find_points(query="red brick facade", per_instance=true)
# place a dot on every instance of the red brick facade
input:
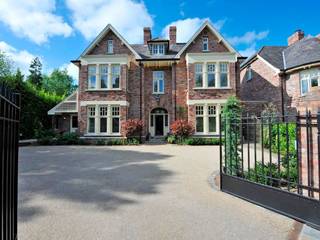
(136, 82)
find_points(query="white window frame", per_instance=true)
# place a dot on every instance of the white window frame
(103, 113)
(307, 76)
(157, 49)
(90, 74)
(110, 115)
(110, 46)
(206, 114)
(199, 114)
(211, 72)
(225, 72)
(205, 44)
(98, 75)
(217, 75)
(156, 80)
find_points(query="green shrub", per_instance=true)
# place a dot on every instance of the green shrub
(100, 142)
(68, 139)
(199, 141)
(171, 139)
(133, 141)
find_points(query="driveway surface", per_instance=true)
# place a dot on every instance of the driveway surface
(134, 192)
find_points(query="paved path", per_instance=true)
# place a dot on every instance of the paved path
(133, 192)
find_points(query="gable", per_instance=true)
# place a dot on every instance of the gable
(217, 44)
(100, 47)
(97, 44)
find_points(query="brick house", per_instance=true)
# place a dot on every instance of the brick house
(287, 76)
(158, 81)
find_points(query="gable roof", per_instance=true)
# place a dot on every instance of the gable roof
(208, 24)
(68, 105)
(305, 51)
(108, 28)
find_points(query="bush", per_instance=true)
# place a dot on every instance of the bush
(133, 141)
(100, 142)
(68, 139)
(181, 129)
(171, 139)
(132, 128)
(201, 141)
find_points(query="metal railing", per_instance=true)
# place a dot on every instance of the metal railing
(278, 155)
(9, 140)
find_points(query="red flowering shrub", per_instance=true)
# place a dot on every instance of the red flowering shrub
(132, 127)
(181, 129)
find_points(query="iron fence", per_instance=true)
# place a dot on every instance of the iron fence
(9, 140)
(274, 161)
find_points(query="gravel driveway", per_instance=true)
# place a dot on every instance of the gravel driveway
(133, 192)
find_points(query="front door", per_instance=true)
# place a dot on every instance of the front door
(159, 125)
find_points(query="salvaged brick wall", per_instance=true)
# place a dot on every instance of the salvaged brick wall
(309, 171)
(263, 88)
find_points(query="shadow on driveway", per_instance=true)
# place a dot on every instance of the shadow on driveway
(102, 176)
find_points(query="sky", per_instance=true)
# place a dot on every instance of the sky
(57, 31)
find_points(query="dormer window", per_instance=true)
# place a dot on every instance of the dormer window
(157, 49)
(110, 46)
(205, 44)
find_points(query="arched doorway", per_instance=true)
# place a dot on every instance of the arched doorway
(159, 122)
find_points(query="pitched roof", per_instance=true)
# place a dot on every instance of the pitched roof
(108, 28)
(303, 52)
(145, 54)
(68, 105)
(208, 24)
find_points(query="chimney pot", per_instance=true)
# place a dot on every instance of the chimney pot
(146, 35)
(295, 37)
(173, 35)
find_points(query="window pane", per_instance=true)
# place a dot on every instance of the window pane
(155, 86)
(104, 81)
(92, 70)
(115, 111)
(314, 82)
(115, 82)
(304, 86)
(212, 124)
(115, 125)
(199, 81)
(92, 81)
(91, 111)
(211, 80)
(224, 67)
(110, 46)
(212, 110)
(91, 125)
(199, 124)
(198, 68)
(161, 87)
(103, 125)
(199, 110)
(224, 79)
(103, 111)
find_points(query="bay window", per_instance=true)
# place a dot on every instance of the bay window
(103, 119)
(158, 82)
(104, 76)
(211, 75)
(207, 120)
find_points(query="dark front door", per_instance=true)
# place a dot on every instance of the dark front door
(159, 125)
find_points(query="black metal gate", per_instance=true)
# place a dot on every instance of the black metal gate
(273, 161)
(9, 140)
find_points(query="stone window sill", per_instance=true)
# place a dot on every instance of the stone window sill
(103, 90)
(212, 88)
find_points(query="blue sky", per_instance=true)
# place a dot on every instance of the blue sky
(59, 30)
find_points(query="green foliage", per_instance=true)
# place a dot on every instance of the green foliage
(261, 173)
(201, 141)
(100, 142)
(59, 83)
(230, 125)
(35, 77)
(68, 139)
(5, 66)
(171, 139)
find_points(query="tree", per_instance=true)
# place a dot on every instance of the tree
(58, 82)
(35, 70)
(6, 66)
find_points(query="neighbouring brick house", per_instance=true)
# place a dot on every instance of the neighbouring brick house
(287, 76)
(158, 82)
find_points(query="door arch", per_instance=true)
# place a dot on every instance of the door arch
(159, 122)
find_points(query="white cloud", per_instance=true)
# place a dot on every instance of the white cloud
(72, 70)
(187, 27)
(249, 51)
(248, 38)
(21, 58)
(127, 16)
(33, 19)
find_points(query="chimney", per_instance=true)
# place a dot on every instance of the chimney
(146, 35)
(295, 37)
(173, 35)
